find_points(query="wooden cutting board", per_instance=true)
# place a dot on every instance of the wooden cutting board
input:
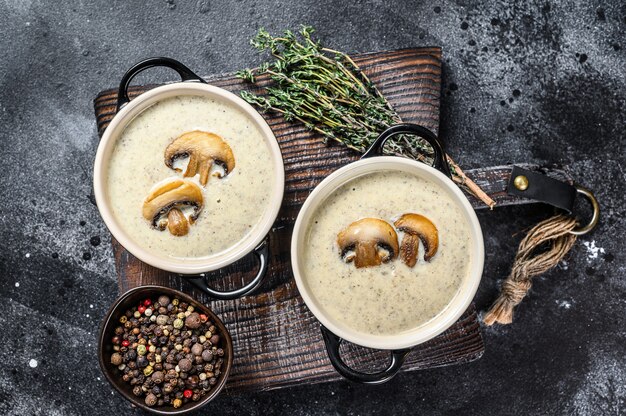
(277, 341)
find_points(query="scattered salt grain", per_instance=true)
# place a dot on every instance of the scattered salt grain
(32, 363)
(17, 284)
(592, 250)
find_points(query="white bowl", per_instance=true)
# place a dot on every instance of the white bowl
(107, 144)
(459, 303)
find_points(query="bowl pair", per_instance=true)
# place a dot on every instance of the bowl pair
(373, 161)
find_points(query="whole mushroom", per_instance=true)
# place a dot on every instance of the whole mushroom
(163, 206)
(368, 242)
(203, 149)
(417, 227)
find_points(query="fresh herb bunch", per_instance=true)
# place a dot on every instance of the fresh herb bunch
(326, 91)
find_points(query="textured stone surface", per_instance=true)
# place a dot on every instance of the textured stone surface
(523, 81)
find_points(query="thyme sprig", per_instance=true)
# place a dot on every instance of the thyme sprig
(326, 91)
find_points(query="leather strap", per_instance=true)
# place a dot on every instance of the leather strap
(542, 188)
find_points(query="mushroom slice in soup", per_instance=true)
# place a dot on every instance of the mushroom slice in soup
(203, 149)
(417, 227)
(368, 242)
(165, 204)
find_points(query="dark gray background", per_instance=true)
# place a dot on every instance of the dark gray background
(524, 81)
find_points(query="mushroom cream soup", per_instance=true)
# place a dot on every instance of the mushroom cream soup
(214, 210)
(389, 298)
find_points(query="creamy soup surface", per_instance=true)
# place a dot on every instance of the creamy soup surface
(233, 205)
(391, 298)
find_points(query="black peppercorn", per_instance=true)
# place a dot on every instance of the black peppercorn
(197, 349)
(142, 361)
(157, 377)
(168, 388)
(207, 355)
(137, 391)
(192, 382)
(130, 355)
(184, 365)
(193, 321)
(151, 400)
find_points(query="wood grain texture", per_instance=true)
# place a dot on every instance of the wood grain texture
(276, 339)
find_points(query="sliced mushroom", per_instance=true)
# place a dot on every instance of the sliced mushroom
(203, 149)
(177, 223)
(373, 241)
(163, 207)
(417, 227)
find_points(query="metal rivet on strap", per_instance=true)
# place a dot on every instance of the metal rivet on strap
(521, 182)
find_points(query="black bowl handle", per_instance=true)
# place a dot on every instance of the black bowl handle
(261, 252)
(185, 73)
(439, 158)
(333, 342)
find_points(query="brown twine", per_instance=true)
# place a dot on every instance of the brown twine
(556, 232)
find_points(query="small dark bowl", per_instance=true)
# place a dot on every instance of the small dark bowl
(105, 348)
